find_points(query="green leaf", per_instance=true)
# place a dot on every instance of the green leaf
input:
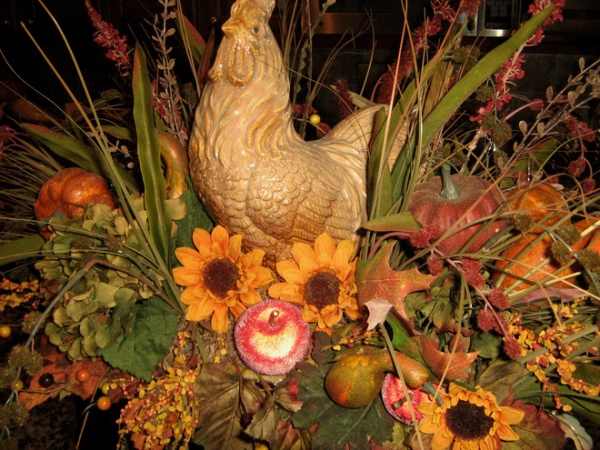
(121, 318)
(194, 40)
(378, 173)
(19, 249)
(500, 376)
(149, 156)
(196, 217)
(77, 152)
(400, 222)
(338, 427)
(487, 344)
(148, 342)
(67, 147)
(464, 87)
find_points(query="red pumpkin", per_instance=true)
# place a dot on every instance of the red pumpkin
(70, 191)
(452, 201)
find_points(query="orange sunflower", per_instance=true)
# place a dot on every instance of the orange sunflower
(469, 420)
(320, 281)
(219, 277)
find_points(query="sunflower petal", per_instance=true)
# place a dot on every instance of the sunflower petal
(235, 247)
(187, 256)
(201, 238)
(186, 276)
(510, 416)
(220, 238)
(220, 319)
(325, 245)
(302, 250)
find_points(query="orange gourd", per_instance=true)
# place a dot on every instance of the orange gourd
(541, 202)
(520, 260)
(590, 240)
(70, 191)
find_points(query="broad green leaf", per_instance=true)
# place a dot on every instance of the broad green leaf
(149, 156)
(148, 342)
(121, 319)
(196, 217)
(22, 248)
(478, 74)
(338, 427)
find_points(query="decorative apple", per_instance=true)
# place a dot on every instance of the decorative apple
(396, 402)
(271, 337)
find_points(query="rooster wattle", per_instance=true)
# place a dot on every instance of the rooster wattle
(253, 172)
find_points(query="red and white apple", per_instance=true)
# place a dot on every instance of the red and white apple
(271, 337)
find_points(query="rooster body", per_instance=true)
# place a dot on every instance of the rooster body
(252, 170)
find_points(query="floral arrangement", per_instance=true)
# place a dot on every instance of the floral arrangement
(467, 318)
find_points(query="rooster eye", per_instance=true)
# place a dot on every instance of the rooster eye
(255, 30)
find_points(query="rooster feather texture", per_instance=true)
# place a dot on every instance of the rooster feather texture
(253, 172)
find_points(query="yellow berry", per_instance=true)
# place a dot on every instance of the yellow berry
(16, 385)
(315, 119)
(5, 331)
(105, 388)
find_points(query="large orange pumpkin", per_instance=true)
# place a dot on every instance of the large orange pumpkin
(520, 260)
(70, 191)
(541, 201)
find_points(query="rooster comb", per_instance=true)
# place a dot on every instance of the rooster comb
(264, 6)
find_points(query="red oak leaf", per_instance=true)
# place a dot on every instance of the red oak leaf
(376, 279)
(451, 366)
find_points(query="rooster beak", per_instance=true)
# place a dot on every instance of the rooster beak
(229, 27)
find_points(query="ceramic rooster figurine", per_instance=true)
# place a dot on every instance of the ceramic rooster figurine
(253, 172)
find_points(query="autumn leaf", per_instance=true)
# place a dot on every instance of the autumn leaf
(450, 365)
(537, 430)
(376, 279)
(64, 373)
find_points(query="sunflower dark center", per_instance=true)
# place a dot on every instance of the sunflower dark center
(322, 289)
(221, 276)
(468, 421)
